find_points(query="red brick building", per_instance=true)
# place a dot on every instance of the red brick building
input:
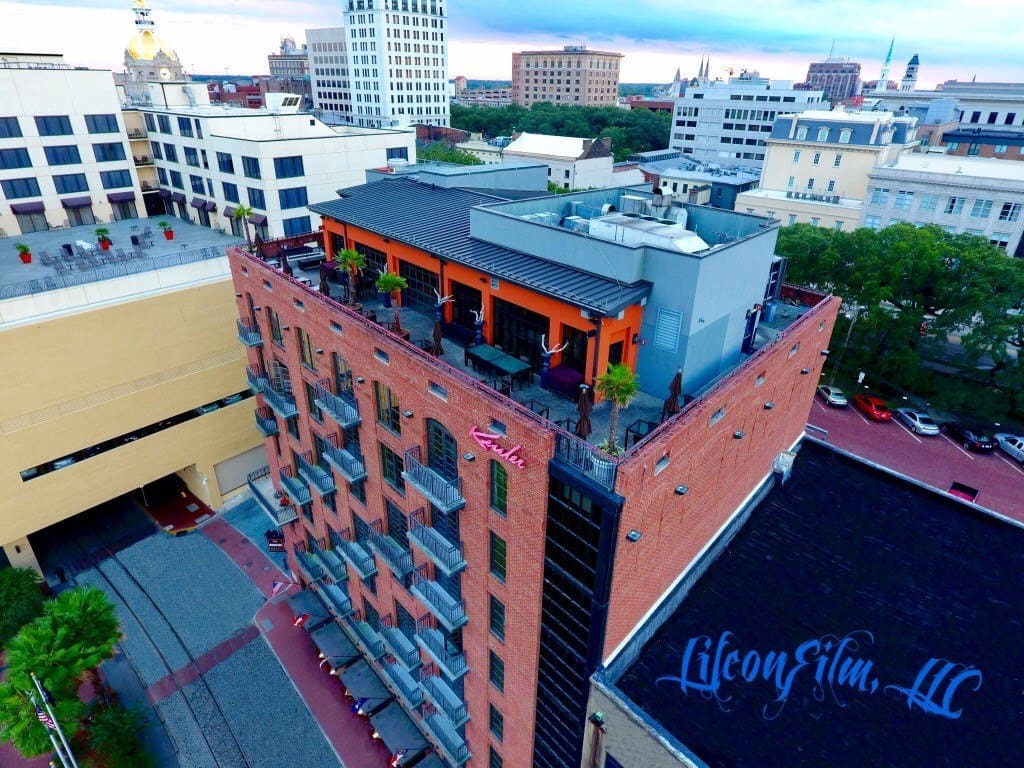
(479, 553)
(985, 142)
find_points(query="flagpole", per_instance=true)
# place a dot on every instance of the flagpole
(49, 711)
(53, 739)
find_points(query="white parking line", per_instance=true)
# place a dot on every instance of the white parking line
(862, 416)
(1012, 464)
(818, 403)
(965, 453)
(905, 429)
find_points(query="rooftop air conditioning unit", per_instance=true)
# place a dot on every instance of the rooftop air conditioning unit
(789, 193)
(835, 198)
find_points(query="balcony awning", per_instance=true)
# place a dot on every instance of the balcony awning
(333, 643)
(178, 197)
(76, 202)
(198, 203)
(398, 731)
(362, 682)
(307, 601)
(165, 194)
(432, 761)
(229, 211)
(210, 206)
(259, 219)
(120, 197)
(36, 207)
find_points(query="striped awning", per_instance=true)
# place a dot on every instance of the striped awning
(76, 202)
(120, 197)
(34, 207)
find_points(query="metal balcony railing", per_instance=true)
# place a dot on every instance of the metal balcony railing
(443, 493)
(404, 651)
(402, 682)
(367, 639)
(295, 488)
(249, 333)
(337, 601)
(332, 563)
(450, 661)
(345, 462)
(283, 402)
(257, 378)
(453, 746)
(399, 560)
(341, 407)
(315, 475)
(263, 492)
(266, 422)
(356, 556)
(308, 564)
(440, 551)
(445, 700)
(451, 613)
(585, 458)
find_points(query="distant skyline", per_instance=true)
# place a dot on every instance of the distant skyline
(777, 37)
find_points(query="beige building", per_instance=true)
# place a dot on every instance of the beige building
(817, 165)
(573, 76)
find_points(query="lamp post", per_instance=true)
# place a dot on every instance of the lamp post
(851, 315)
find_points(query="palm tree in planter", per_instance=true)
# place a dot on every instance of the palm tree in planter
(243, 213)
(24, 252)
(103, 236)
(352, 261)
(168, 229)
(391, 286)
(621, 386)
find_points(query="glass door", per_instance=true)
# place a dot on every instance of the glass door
(442, 451)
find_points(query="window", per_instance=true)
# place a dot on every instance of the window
(185, 126)
(72, 182)
(496, 722)
(392, 466)
(817, 159)
(230, 192)
(286, 167)
(1010, 212)
(101, 123)
(874, 222)
(1001, 149)
(66, 154)
(982, 209)
(106, 153)
(171, 153)
(115, 179)
(499, 488)
(225, 163)
(498, 556)
(928, 202)
(845, 135)
(496, 671)
(879, 196)
(256, 199)
(791, 182)
(275, 327)
(792, 219)
(161, 175)
(815, 221)
(388, 412)
(1000, 239)
(497, 620)
(955, 205)
(157, 151)
(15, 188)
(494, 760)
(973, 149)
(199, 129)
(297, 226)
(176, 180)
(9, 128)
(294, 197)
(831, 186)
(54, 125)
(810, 183)
(306, 354)
(165, 123)
(801, 133)
(796, 156)
(838, 225)
(397, 153)
(191, 157)
(823, 134)
(953, 146)
(904, 199)
(197, 184)
(14, 158)
(251, 167)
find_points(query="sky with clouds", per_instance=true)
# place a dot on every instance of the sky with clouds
(778, 37)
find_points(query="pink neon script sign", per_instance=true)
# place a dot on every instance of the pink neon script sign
(489, 442)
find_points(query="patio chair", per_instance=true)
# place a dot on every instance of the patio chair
(45, 259)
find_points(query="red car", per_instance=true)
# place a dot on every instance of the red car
(872, 407)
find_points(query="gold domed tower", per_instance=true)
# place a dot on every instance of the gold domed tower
(147, 58)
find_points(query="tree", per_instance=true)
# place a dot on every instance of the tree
(391, 285)
(20, 600)
(114, 738)
(20, 725)
(243, 213)
(621, 386)
(439, 152)
(353, 261)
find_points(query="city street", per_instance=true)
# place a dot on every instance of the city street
(935, 461)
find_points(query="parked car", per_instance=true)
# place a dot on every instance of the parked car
(872, 407)
(833, 396)
(1011, 445)
(969, 438)
(918, 422)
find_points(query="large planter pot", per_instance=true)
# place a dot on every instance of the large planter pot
(169, 234)
(26, 258)
(387, 300)
(105, 245)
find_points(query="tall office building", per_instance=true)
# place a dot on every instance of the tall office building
(574, 76)
(837, 79)
(328, 74)
(290, 61)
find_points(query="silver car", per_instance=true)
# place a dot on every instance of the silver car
(833, 396)
(1011, 445)
(918, 422)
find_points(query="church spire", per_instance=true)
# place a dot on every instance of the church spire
(883, 81)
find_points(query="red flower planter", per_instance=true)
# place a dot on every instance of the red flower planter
(169, 234)
(105, 245)
(26, 258)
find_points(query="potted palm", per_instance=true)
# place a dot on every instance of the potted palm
(390, 285)
(243, 213)
(103, 235)
(352, 261)
(24, 252)
(621, 386)
(168, 229)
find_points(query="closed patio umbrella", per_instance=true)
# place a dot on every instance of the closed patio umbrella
(583, 426)
(675, 388)
(436, 347)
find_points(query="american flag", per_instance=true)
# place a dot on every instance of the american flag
(357, 705)
(45, 719)
(278, 587)
(397, 758)
(301, 619)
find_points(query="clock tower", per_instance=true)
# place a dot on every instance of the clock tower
(147, 58)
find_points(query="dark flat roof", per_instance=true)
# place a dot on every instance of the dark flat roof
(436, 219)
(844, 547)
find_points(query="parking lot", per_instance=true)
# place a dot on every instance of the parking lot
(936, 461)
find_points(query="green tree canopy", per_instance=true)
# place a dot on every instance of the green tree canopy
(439, 152)
(21, 600)
(621, 386)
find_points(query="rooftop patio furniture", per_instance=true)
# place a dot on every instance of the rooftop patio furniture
(565, 380)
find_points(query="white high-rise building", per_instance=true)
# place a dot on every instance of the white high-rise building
(396, 60)
(328, 74)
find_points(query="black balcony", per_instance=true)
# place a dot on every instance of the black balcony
(332, 563)
(402, 683)
(309, 566)
(294, 487)
(445, 700)
(282, 401)
(266, 423)
(357, 556)
(449, 660)
(336, 600)
(367, 639)
(269, 500)
(404, 651)
(317, 477)
(451, 613)
(453, 746)
(249, 333)
(443, 493)
(441, 552)
(257, 378)
(345, 462)
(342, 407)
(399, 560)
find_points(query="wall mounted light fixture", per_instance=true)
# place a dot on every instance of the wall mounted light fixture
(634, 536)
(769, 405)
(360, 380)
(319, 350)
(407, 414)
(739, 434)
(805, 371)
(238, 295)
(824, 353)
(286, 327)
(469, 456)
(682, 490)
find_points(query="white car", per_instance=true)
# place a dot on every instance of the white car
(1011, 445)
(918, 422)
(833, 396)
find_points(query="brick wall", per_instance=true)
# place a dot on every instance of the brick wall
(718, 469)
(469, 404)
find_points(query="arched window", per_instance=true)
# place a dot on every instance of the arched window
(499, 488)
(801, 132)
(823, 134)
(442, 450)
(844, 136)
